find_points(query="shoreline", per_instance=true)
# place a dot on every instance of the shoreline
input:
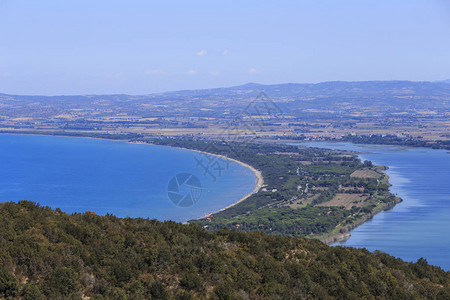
(345, 231)
(258, 185)
(259, 182)
(326, 239)
(258, 176)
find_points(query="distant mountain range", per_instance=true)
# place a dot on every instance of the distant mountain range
(445, 81)
(367, 107)
(350, 98)
(328, 89)
(293, 91)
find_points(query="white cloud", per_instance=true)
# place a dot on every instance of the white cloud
(214, 73)
(225, 52)
(201, 53)
(191, 72)
(155, 72)
(253, 71)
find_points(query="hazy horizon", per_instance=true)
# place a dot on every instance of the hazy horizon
(139, 47)
(228, 86)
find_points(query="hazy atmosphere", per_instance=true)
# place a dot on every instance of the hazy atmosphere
(140, 47)
(224, 149)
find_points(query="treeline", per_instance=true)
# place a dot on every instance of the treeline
(284, 221)
(378, 139)
(47, 254)
(98, 135)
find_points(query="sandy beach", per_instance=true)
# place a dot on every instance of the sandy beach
(259, 183)
(259, 179)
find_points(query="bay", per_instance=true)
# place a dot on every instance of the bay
(116, 177)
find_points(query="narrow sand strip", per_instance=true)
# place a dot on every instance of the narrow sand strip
(258, 185)
(259, 179)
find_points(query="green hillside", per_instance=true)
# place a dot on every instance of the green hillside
(49, 254)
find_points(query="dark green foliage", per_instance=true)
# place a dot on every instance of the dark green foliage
(62, 281)
(8, 283)
(286, 221)
(190, 281)
(42, 256)
(158, 290)
(224, 292)
(394, 140)
(31, 292)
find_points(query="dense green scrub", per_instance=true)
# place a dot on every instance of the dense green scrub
(49, 254)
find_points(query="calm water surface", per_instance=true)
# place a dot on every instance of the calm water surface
(78, 174)
(420, 225)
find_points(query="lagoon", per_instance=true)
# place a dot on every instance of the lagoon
(116, 177)
(420, 225)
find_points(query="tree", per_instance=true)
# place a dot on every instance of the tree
(190, 281)
(62, 281)
(8, 283)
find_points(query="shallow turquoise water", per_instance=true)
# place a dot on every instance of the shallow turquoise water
(420, 225)
(78, 174)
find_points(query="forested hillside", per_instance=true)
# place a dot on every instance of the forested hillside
(49, 254)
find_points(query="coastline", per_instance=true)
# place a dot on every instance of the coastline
(259, 180)
(258, 176)
(259, 183)
(338, 234)
(344, 232)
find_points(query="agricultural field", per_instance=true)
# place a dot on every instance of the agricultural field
(365, 173)
(346, 200)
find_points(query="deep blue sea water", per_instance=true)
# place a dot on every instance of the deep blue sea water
(420, 225)
(79, 174)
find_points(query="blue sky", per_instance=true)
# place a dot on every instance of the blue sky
(140, 47)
